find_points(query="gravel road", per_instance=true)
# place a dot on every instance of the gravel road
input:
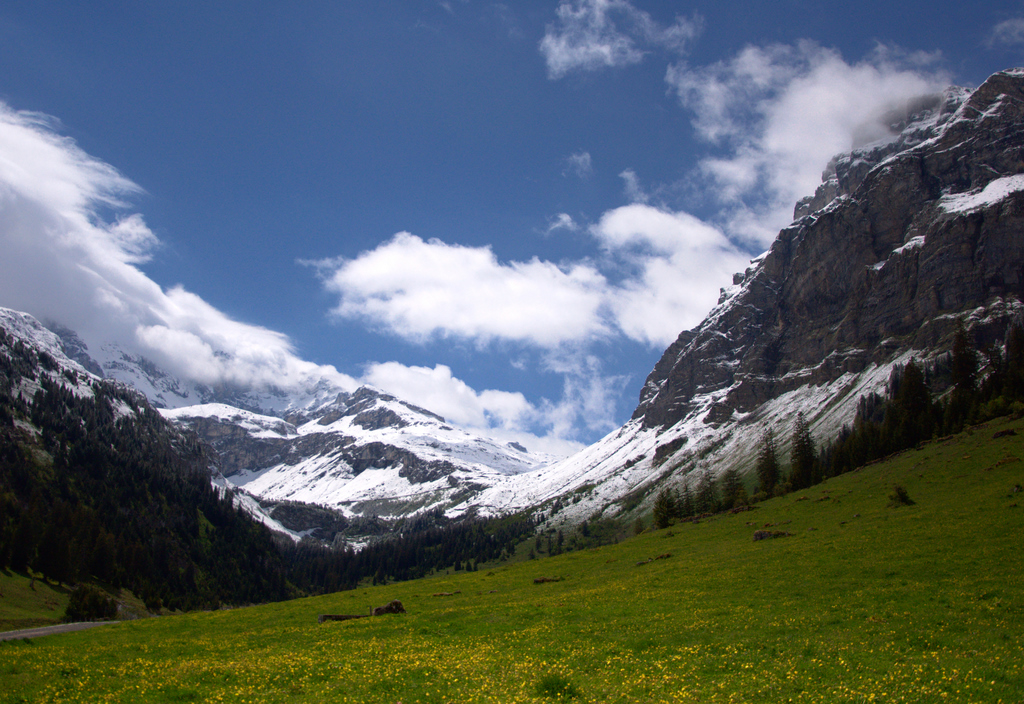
(50, 630)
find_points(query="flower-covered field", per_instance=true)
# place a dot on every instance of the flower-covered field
(862, 602)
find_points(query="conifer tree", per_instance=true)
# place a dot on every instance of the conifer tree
(664, 509)
(964, 366)
(802, 455)
(767, 463)
(964, 361)
(707, 493)
(733, 492)
(686, 507)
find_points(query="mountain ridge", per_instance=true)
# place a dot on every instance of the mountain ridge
(903, 240)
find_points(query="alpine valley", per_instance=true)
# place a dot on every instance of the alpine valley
(905, 240)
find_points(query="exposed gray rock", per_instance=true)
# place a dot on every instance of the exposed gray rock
(875, 265)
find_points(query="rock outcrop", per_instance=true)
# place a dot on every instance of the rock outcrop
(900, 241)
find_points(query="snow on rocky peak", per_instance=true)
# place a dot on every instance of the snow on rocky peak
(365, 454)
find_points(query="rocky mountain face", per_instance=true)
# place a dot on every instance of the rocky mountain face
(903, 239)
(321, 461)
(899, 242)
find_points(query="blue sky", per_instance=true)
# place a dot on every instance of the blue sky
(503, 212)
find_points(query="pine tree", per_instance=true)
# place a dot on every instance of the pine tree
(964, 362)
(767, 463)
(638, 526)
(707, 493)
(686, 507)
(664, 509)
(733, 492)
(1014, 383)
(802, 455)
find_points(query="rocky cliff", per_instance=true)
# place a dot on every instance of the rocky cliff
(901, 239)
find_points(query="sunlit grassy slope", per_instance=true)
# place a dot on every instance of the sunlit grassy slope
(25, 603)
(862, 602)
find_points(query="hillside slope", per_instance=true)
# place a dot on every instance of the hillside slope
(859, 601)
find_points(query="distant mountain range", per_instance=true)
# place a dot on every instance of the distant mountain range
(903, 239)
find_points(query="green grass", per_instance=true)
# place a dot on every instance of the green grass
(25, 603)
(864, 601)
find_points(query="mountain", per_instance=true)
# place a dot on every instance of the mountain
(323, 462)
(96, 485)
(164, 390)
(365, 454)
(903, 239)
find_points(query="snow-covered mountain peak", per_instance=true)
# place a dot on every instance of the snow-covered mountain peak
(29, 330)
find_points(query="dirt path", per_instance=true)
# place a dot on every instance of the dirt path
(50, 630)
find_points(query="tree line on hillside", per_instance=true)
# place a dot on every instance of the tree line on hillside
(96, 486)
(424, 545)
(908, 414)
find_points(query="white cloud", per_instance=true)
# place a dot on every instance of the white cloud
(579, 164)
(588, 395)
(504, 415)
(562, 221)
(632, 188)
(1008, 32)
(595, 34)
(420, 290)
(63, 262)
(438, 391)
(661, 275)
(779, 113)
(680, 262)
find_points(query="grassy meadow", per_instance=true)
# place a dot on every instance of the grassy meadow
(862, 602)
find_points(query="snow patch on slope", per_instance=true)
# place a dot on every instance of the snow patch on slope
(992, 193)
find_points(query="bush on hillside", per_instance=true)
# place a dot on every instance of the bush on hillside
(89, 603)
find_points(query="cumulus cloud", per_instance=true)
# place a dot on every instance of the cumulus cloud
(680, 263)
(64, 262)
(779, 113)
(661, 275)
(420, 290)
(504, 415)
(595, 34)
(437, 390)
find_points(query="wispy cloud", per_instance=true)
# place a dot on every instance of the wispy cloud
(596, 34)
(632, 188)
(579, 164)
(776, 115)
(1007, 33)
(63, 261)
(562, 221)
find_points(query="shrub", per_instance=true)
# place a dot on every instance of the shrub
(900, 497)
(89, 603)
(556, 687)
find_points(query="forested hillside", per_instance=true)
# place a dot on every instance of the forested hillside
(96, 486)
